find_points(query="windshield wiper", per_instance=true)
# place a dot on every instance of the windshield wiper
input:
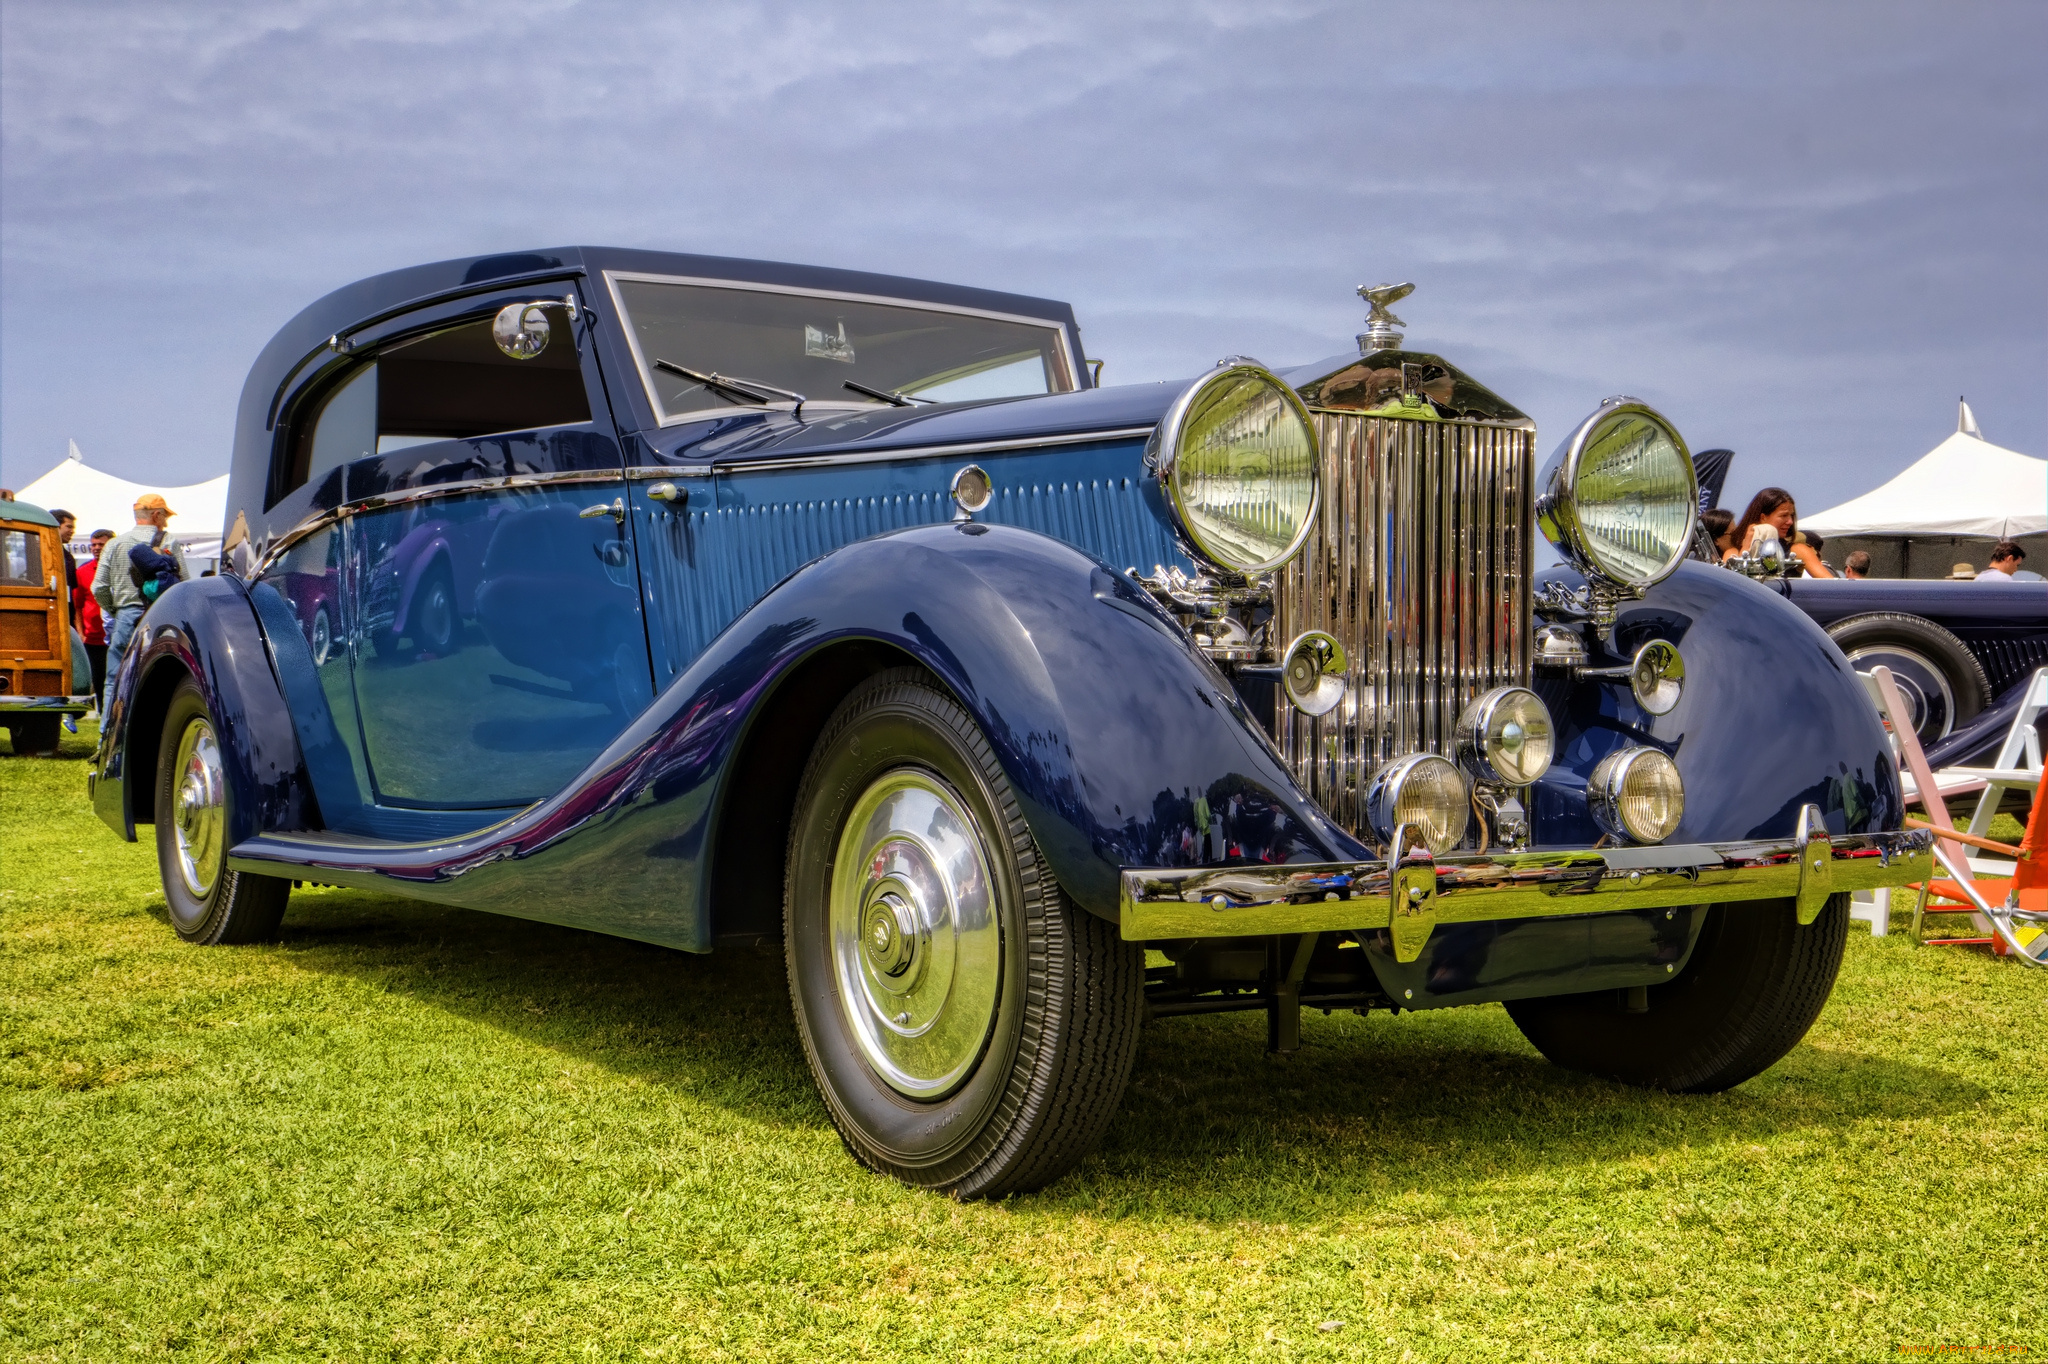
(752, 390)
(889, 396)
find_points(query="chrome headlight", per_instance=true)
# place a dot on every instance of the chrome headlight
(1620, 497)
(1505, 736)
(1635, 793)
(1425, 792)
(1236, 455)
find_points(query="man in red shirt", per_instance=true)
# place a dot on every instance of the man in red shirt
(91, 623)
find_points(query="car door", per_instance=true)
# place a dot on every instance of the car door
(493, 630)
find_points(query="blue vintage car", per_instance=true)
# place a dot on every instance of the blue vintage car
(700, 600)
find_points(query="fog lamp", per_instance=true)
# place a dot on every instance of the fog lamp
(1425, 792)
(1505, 736)
(1636, 793)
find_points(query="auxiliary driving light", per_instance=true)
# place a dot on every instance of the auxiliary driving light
(1425, 792)
(1505, 736)
(1636, 793)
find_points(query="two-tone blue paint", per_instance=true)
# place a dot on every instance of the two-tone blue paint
(809, 550)
(738, 531)
(1124, 745)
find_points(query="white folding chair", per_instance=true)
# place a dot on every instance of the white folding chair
(2019, 758)
(2014, 927)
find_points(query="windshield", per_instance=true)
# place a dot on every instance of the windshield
(814, 343)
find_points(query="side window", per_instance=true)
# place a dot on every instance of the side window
(448, 385)
(343, 428)
(457, 384)
(21, 558)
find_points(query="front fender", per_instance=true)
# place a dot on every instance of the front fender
(1772, 718)
(1123, 743)
(205, 629)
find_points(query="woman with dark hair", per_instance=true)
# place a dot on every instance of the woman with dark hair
(1773, 507)
(1718, 523)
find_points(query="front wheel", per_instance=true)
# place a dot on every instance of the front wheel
(970, 1027)
(1755, 983)
(209, 904)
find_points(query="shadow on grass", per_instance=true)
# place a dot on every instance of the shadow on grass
(1209, 1127)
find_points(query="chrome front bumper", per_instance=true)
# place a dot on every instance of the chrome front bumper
(1413, 898)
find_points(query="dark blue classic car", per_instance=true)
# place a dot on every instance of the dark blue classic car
(1962, 652)
(698, 600)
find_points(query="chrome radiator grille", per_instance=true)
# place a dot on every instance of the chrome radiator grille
(1420, 566)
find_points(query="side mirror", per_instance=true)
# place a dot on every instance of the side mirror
(522, 329)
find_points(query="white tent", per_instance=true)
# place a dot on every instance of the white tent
(99, 499)
(1963, 486)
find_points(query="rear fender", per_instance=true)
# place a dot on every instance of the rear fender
(204, 629)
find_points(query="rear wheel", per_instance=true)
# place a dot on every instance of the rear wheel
(33, 735)
(970, 1027)
(1940, 679)
(209, 904)
(435, 624)
(321, 637)
(1755, 983)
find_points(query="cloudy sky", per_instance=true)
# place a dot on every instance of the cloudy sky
(1800, 229)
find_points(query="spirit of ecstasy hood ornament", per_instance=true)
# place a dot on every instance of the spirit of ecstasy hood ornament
(1379, 333)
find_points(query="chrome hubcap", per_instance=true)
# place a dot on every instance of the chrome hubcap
(916, 938)
(1922, 686)
(199, 809)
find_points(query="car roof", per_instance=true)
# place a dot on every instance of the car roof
(14, 509)
(301, 340)
(351, 304)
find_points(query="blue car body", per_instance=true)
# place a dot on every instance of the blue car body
(614, 733)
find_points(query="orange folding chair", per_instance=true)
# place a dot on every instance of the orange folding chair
(2011, 912)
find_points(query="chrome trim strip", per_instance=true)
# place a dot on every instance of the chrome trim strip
(321, 520)
(612, 279)
(643, 472)
(1470, 888)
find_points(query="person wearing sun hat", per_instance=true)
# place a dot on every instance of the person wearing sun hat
(119, 591)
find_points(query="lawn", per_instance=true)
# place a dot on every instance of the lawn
(406, 1132)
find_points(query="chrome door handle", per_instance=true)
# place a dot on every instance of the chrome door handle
(666, 492)
(615, 509)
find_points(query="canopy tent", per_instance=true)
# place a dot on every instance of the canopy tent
(1965, 486)
(100, 500)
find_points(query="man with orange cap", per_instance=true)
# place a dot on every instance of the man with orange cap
(118, 589)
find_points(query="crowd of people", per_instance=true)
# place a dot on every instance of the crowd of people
(109, 592)
(1772, 514)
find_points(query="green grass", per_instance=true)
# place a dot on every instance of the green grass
(414, 1133)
